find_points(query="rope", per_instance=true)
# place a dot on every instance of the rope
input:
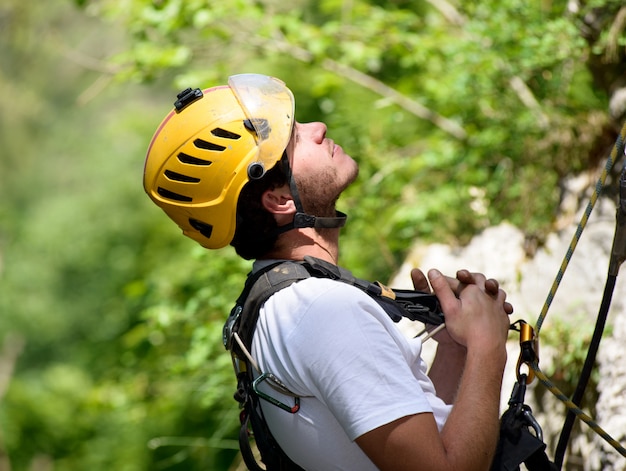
(616, 152)
(576, 410)
(581, 226)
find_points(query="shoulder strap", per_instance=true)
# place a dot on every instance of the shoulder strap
(242, 321)
(259, 287)
(397, 303)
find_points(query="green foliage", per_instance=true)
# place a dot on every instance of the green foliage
(461, 115)
(571, 339)
(122, 365)
(489, 95)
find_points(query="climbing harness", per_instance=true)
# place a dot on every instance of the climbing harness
(521, 436)
(239, 331)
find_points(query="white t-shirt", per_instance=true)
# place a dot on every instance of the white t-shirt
(336, 348)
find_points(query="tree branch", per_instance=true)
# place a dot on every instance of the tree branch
(11, 350)
(448, 11)
(412, 106)
(612, 47)
(367, 81)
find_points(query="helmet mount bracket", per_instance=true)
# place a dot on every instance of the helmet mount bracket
(186, 98)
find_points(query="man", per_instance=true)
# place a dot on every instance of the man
(231, 165)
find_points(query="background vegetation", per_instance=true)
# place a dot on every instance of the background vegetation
(461, 115)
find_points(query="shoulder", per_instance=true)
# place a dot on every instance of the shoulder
(320, 309)
(323, 295)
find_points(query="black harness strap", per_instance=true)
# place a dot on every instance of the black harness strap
(517, 444)
(242, 322)
(261, 286)
(397, 303)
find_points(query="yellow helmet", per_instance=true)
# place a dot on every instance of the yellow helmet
(210, 145)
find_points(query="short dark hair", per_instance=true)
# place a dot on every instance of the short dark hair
(256, 229)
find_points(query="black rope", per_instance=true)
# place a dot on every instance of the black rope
(585, 374)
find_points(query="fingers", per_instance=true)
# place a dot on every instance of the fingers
(468, 278)
(420, 282)
(456, 285)
(465, 276)
(443, 289)
(491, 286)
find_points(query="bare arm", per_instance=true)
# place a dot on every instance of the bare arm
(446, 370)
(476, 320)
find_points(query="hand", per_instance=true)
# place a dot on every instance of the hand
(475, 308)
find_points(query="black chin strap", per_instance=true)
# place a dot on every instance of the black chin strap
(302, 219)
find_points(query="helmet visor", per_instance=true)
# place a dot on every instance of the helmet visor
(269, 106)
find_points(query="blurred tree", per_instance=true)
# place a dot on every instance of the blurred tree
(95, 375)
(460, 115)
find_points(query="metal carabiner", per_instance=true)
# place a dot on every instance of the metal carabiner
(528, 350)
(271, 378)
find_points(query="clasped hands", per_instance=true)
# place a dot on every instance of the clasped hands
(475, 308)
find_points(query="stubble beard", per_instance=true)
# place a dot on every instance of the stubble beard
(319, 194)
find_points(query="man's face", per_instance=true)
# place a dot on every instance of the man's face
(321, 169)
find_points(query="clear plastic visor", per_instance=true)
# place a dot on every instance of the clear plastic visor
(269, 106)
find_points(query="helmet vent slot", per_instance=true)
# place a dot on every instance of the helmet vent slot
(188, 159)
(219, 132)
(202, 144)
(173, 196)
(202, 227)
(179, 177)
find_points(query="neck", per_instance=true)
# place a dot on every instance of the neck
(318, 243)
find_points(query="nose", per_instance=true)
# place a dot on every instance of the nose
(317, 131)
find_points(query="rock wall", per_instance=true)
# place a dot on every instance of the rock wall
(499, 253)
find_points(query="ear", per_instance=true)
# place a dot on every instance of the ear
(279, 201)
